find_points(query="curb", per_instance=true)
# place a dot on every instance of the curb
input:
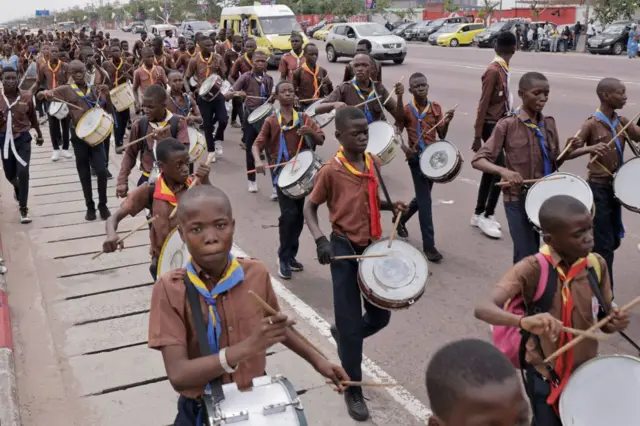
(9, 408)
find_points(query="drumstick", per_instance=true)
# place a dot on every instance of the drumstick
(613, 140)
(366, 102)
(193, 183)
(365, 383)
(67, 103)
(425, 132)
(591, 329)
(391, 94)
(577, 332)
(358, 256)
(566, 148)
(272, 311)
(142, 225)
(318, 90)
(394, 231)
(504, 183)
(602, 166)
(293, 166)
(126, 145)
(272, 166)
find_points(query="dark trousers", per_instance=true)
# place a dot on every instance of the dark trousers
(421, 203)
(212, 112)
(606, 223)
(40, 104)
(87, 157)
(120, 127)
(538, 391)
(526, 240)
(59, 130)
(16, 173)
(237, 109)
(352, 326)
(488, 193)
(290, 225)
(249, 135)
(188, 410)
(107, 147)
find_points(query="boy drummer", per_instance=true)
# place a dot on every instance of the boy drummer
(84, 98)
(119, 72)
(349, 185)
(230, 57)
(181, 103)
(238, 346)
(419, 118)
(280, 136)
(147, 74)
(162, 196)
(244, 64)
(311, 81)
(603, 125)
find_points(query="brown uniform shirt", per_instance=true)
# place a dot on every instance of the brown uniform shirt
(46, 74)
(230, 57)
(183, 60)
(303, 83)
(269, 137)
(240, 67)
(145, 148)
(171, 323)
(248, 83)
(221, 48)
(522, 150)
(347, 198)
(67, 94)
(410, 122)
(523, 278)
(289, 63)
(202, 68)
(376, 75)
(144, 77)
(23, 114)
(178, 105)
(125, 68)
(345, 92)
(164, 60)
(494, 100)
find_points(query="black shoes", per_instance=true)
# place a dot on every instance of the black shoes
(91, 214)
(296, 266)
(433, 255)
(104, 212)
(356, 405)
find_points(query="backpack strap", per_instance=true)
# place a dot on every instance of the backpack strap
(152, 189)
(174, 121)
(143, 124)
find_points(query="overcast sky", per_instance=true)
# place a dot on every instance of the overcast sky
(24, 8)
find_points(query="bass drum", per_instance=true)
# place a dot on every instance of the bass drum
(174, 254)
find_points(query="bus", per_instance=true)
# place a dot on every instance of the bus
(66, 26)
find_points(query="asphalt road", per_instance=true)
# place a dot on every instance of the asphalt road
(472, 263)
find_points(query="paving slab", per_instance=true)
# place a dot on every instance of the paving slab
(80, 231)
(61, 249)
(53, 181)
(95, 337)
(39, 174)
(104, 281)
(64, 219)
(70, 207)
(299, 372)
(84, 264)
(63, 188)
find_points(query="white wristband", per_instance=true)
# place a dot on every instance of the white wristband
(223, 361)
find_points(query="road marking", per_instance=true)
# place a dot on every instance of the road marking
(410, 403)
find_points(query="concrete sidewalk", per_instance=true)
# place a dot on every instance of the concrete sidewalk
(80, 325)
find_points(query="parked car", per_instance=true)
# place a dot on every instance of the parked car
(189, 29)
(321, 34)
(343, 39)
(320, 25)
(563, 44)
(435, 25)
(412, 32)
(463, 35)
(138, 27)
(129, 27)
(612, 40)
(433, 37)
(487, 38)
(400, 31)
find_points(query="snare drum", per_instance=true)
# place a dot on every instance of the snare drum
(542, 190)
(197, 144)
(174, 253)
(58, 110)
(441, 161)
(383, 141)
(624, 184)
(257, 117)
(271, 401)
(602, 391)
(94, 126)
(396, 281)
(321, 119)
(193, 82)
(210, 88)
(122, 97)
(298, 183)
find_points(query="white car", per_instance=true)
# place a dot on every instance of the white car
(343, 39)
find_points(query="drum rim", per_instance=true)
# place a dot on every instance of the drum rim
(103, 116)
(303, 154)
(457, 165)
(267, 106)
(635, 209)
(120, 87)
(212, 77)
(542, 182)
(164, 245)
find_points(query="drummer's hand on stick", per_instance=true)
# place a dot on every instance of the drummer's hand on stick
(112, 243)
(306, 131)
(400, 207)
(339, 105)
(121, 190)
(272, 330)
(324, 250)
(448, 116)
(476, 144)
(260, 167)
(512, 177)
(202, 173)
(333, 372)
(399, 89)
(540, 324)
(619, 321)
(600, 149)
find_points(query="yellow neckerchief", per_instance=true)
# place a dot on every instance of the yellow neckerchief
(294, 119)
(315, 73)
(246, 58)
(191, 55)
(164, 193)
(117, 69)
(150, 72)
(228, 44)
(500, 61)
(297, 57)
(79, 92)
(55, 83)
(155, 59)
(162, 124)
(206, 62)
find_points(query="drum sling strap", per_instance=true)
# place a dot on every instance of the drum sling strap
(216, 395)
(174, 121)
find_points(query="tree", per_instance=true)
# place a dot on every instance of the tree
(449, 6)
(607, 11)
(488, 9)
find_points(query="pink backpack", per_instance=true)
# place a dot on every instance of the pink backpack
(509, 339)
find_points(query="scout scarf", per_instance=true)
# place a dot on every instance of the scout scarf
(85, 96)
(314, 74)
(508, 95)
(246, 58)
(565, 363)
(207, 62)
(419, 116)
(183, 111)
(263, 89)
(374, 205)
(117, 67)
(54, 71)
(8, 136)
(370, 96)
(283, 151)
(150, 72)
(297, 57)
(164, 193)
(537, 129)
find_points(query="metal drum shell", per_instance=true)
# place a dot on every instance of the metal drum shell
(453, 173)
(102, 130)
(122, 97)
(617, 183)
(210, 88)
(304, 184)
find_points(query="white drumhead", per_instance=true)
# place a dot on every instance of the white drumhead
(381, 134)
(541, 191)
(54, 107)
(260, 112)
(193, 137)
(311, 109)
(602, 391)
(624, 184)
(289, 175)
(89, 122)
(438, 159)
(401, 275)
(225, 87)
(208, 84)
(174, 254)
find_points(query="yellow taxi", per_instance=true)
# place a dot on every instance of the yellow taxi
(461, 35)
(322, 34)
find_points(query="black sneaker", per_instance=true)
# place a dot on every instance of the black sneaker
(284, 270)
(24, 215)
(296, 266)
(433, 255)
(91, 215)
(356, 404)
(402, 231)
(109, 175)
(104, 212)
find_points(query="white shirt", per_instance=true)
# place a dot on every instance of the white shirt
(591, 29)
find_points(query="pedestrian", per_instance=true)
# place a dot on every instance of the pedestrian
(591, 31)
(577, 32)
(553, 42)
(244, 28)
(632, 42)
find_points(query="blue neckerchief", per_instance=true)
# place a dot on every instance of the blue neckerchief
(263, 89)
(612, 126)
(371, 95)
(183, 111)
(86, 97)
(419, 117)
(547, 166)
(283, 152)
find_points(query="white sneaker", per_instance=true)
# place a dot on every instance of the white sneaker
(274, 194)
(213, 157)
(253, 187)
(488, 227)
(219, 150)
(66, 153)
(56, 155)
(495, 222)
(475, 219)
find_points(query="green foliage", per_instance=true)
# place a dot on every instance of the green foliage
(449, 6)
(607, 11)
